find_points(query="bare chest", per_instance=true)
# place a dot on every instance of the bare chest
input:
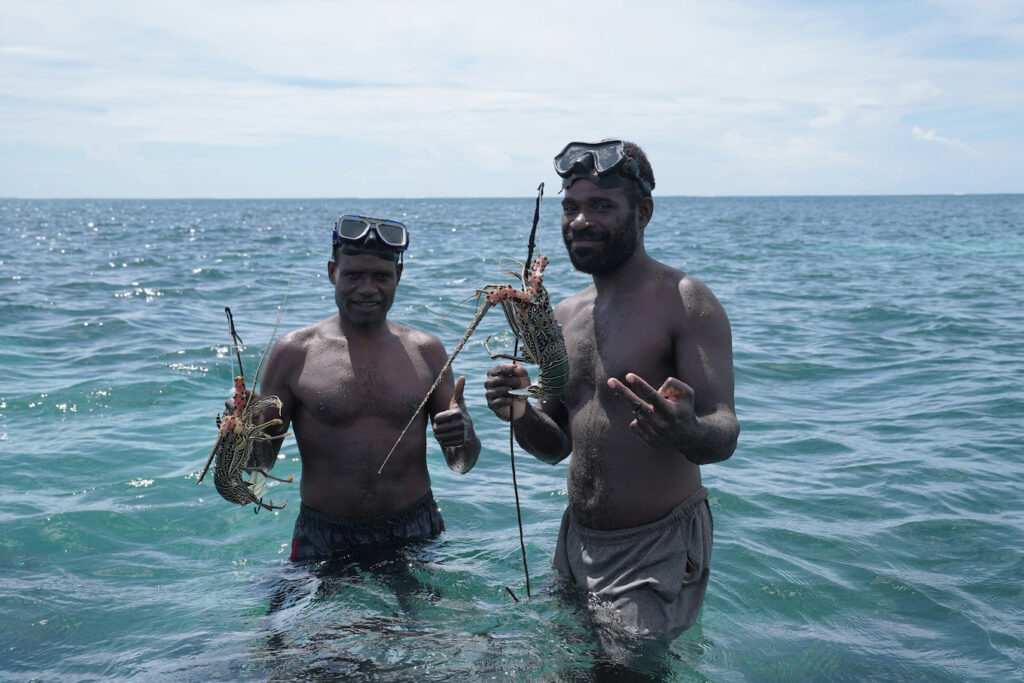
(611, 343)
(340, 387)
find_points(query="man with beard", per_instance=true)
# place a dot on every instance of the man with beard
(649, 399)
(348, 385)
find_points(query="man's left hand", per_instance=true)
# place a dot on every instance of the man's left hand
(450, 425)
(663, 418)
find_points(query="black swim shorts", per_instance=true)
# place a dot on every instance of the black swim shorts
(319, 537)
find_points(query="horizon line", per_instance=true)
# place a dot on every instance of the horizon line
(493, 197)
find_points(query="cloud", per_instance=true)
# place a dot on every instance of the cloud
(931, 136)
(784, 88)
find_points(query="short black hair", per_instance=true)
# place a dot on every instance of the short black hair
(382, 253)
(643, 166)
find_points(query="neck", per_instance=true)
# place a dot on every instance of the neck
(369, 331)
(626, 275)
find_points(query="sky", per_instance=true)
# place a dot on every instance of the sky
(405, 98)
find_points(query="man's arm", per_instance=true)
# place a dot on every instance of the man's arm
(704, 355)
(696, 417)
(453, 427)
(542, 429)
(275, 382)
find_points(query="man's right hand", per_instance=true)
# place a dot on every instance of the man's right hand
(229, 402)
(500, 380)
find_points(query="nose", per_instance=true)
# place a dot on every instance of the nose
(580, 221)
(366, 285)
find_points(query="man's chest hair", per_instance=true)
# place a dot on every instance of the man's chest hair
(337, 400)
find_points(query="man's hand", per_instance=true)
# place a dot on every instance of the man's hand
(500, 380)
(663, 418)
(230, 402)
(450, 425)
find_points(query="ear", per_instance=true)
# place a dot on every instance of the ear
(331, 269)
(398, 272)
(644, 211)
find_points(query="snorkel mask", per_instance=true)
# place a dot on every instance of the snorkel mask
(380, 237)
(605, 164)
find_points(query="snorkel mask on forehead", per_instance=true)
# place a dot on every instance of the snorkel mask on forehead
(364, 235)
(605, 164)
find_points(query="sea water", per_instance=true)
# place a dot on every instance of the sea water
(869, 525)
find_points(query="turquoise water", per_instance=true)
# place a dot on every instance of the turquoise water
(868, 526)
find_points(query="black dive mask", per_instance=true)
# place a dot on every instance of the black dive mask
(605, 164)
(363, 235)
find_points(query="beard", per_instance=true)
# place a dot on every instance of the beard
(617, 246)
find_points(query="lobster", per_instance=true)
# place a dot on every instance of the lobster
(237, 434)
(532, 320)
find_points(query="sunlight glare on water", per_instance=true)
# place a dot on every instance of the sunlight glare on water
(868, 526)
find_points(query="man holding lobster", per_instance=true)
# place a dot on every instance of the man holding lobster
(347, 385)
(649, 399)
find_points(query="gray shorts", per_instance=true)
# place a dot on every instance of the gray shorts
(653, 576)
(319, 537)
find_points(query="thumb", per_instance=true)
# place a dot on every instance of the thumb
(675, 390)
(460, 385)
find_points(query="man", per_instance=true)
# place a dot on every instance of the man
(348, 385)
(649, 399)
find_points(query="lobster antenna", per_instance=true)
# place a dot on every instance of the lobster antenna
(511, 429)
(277, 321)
(533, 232)
(458, 306)
(236, 340)
(484, 307)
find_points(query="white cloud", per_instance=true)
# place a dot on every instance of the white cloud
(810, 86)
(931, 136)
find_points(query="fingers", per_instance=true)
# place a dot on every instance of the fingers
(449, 427)
(449, 438)
(643, 389)
(500, 380)
(514, 376)
(646, 428)
(642, 396)
(625, 393)
(658, 416)
(651, 425)
(675, 390)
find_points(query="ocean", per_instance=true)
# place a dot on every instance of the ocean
(868, 527)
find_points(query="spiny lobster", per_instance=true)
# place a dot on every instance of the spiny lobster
(237, 434)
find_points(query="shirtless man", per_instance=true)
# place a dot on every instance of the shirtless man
(348, 385)
(649, 399)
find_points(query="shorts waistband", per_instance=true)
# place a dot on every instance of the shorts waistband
(684, 509)
(350, 523)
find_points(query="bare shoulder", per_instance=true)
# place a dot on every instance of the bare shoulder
(697, 297)
(568, 308)
(428, 344)
(293, 346)
(701, 308)
(301, 338)
(412, 335)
